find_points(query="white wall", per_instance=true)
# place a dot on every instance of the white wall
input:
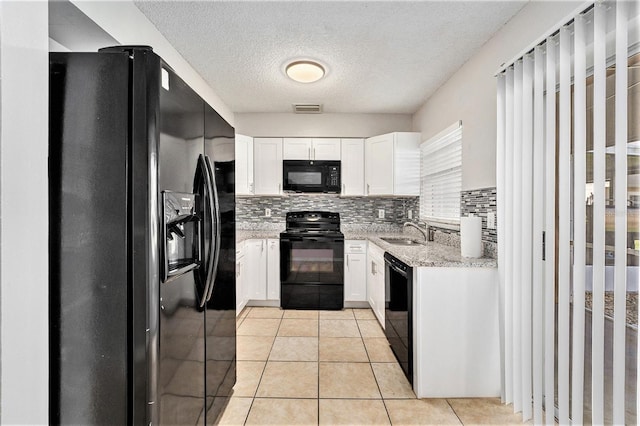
(320, 125)
(470, 94)
(24, 77)
(123, 21)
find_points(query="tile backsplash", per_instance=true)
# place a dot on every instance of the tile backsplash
(361, 213)
(481, 202)
(250, 211)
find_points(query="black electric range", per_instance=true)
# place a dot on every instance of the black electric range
(312, 261)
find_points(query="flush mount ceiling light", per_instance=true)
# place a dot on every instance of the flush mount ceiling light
(305, 71)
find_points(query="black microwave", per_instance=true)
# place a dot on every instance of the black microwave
(311, 176)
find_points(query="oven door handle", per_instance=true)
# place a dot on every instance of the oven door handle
(290, 239)
(318, 239)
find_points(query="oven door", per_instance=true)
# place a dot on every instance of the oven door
(311, 272)
(311, 260)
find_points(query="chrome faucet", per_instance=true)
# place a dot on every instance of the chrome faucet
(428, 236)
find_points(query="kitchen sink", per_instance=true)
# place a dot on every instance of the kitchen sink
(401, 241)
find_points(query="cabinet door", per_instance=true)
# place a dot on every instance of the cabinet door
(406, 178)
(371, 280)
(379, 165)
(267, 166)
(256, 267)
(240, 301)
(297, 149)
(379, 290)
(273, 269)
(355, 278)
(325, 149)
(244, 165)
(352, 166)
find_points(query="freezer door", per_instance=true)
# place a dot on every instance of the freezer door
(220, 308)
(181, 369)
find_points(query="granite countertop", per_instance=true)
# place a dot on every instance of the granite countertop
(249, 234)
(429, 255)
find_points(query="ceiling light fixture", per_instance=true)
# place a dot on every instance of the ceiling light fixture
(305, 71)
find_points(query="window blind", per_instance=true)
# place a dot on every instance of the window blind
(441, 176)
(564, 112)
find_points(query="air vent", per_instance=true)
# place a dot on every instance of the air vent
(307, 108)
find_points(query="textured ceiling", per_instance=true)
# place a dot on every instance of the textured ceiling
(381, 57)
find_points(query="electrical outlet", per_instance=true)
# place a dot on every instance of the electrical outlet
(267, 212)
(491, 220)
(380, 213)
(409, 214)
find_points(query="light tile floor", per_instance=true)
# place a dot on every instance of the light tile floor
(332, 368)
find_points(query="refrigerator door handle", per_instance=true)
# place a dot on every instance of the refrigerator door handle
(202, 165)
(215, 228)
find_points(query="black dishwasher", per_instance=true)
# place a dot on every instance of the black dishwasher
(398, 315)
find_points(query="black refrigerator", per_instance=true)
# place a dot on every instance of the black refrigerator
(142, 244)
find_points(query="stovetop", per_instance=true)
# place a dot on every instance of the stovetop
(313, 222)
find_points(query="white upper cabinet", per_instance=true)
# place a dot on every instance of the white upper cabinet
(244, 165)
(268, 166)
(392, 164)
(325, 149)
(297, 148)
(311, 149)
(352, 166)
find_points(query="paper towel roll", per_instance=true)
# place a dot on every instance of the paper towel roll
(471, 236)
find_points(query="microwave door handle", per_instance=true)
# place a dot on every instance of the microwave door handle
(216, 228)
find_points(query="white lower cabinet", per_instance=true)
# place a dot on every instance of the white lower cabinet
(255, 256)
(241, 292)
(456, 339)
(262, 266)
(375, 281)
(273, 269)
(355, 271)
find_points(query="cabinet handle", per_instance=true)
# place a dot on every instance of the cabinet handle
(262, 245)
(368, 189)
(314, 153)
(279, 185)
(343, 191)
(347, 261)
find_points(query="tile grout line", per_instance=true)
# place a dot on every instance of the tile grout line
(255, 393)
(373, 372)
(454, 411)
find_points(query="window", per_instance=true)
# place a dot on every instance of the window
(441, 176)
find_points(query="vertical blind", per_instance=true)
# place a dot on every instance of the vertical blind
(554, 239)
(441, 176)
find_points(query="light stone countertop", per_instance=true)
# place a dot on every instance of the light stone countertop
(250, 234)
(429, 255)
